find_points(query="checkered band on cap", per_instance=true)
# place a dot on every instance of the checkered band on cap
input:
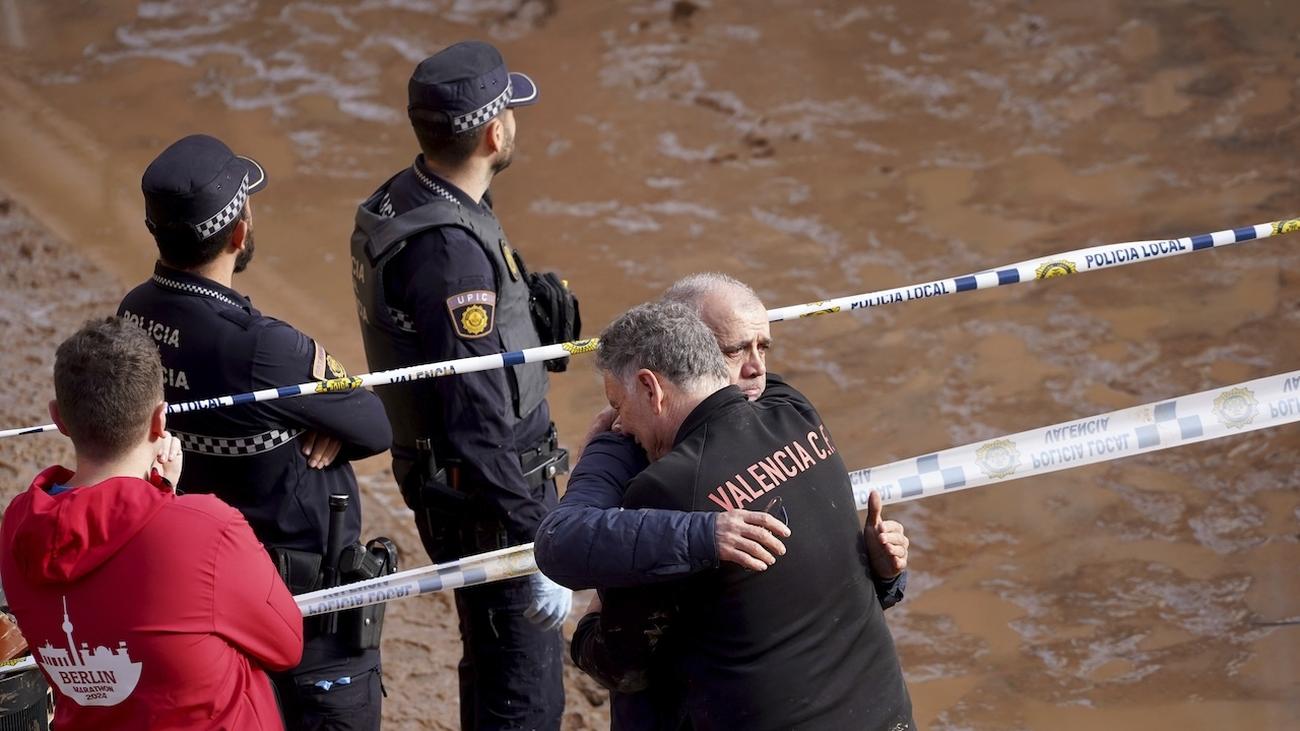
(483, 114)
(223, 217)
(237, 446)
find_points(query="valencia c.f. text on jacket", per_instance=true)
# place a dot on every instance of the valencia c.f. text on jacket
(801, 645)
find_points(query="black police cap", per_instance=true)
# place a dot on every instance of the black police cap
(469, 83)
(198, 183)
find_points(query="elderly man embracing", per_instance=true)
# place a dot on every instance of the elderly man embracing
(802, 644)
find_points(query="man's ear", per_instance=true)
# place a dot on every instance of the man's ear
(58, 420)
(158, 421)
(651, 390)
(240, 235)
(494, 135)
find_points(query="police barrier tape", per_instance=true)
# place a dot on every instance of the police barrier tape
(1244, 407)
(378, 378)
(1046, 267)
(499, 565)
(450, 574)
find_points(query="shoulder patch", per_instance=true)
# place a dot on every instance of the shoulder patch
(325, 366)
(473, 313)
(333, 368)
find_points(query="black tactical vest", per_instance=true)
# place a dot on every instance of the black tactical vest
(389, 334)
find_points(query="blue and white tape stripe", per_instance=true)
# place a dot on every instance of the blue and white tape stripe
(1245, 407)
(1221, 412)
(367, 380)
(467, 565)
(1047, 267)
(482, 568)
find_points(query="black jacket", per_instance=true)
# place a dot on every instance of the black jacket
(589, 541)
(213, 343)
(473, 415)
(802, 644)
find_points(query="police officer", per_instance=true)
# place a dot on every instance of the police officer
(475, 454)
(281, 463)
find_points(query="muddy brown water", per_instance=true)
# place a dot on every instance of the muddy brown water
(813, 149)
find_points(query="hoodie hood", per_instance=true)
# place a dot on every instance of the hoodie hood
(60, 538)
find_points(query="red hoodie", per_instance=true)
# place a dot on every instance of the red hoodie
(147, 610)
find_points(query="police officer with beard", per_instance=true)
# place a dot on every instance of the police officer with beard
(475, 454)
(281, 463)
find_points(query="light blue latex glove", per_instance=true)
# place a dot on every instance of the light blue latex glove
(551, 602)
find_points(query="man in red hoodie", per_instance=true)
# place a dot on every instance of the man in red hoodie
(144, 609)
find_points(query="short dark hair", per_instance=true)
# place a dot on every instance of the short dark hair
(180, 247)
(439, 142)
(108, 378)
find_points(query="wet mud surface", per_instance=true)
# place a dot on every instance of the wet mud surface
(813, 149)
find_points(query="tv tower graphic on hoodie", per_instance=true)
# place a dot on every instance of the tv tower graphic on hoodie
(100, 678)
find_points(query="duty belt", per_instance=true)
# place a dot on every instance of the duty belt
(545, 461)
(539, 464)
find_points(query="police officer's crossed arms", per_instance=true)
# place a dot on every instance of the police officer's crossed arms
(281, 463)
(475, 454)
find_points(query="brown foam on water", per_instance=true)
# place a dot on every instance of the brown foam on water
(813, 149)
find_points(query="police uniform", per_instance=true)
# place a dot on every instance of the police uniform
(475, 453)
(213, 343)
(801, 645)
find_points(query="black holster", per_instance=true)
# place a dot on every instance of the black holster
(303, 571)
(435, 490)
(436, 504)
(425, 486)
(361, 628)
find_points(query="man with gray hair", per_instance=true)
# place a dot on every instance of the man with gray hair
(738, 320)
(802, 643)
(660, 352)
(588, 542)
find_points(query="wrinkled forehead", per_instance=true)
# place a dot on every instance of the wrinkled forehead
(735, 321)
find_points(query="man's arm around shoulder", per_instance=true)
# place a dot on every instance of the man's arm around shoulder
(588, 540)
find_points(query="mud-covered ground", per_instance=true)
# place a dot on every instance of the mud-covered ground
(813, 148)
